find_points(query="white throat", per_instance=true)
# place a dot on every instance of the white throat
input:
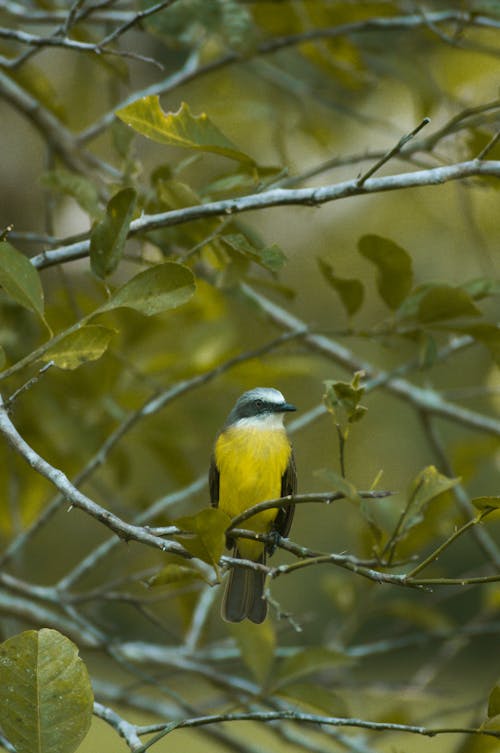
(264, 421)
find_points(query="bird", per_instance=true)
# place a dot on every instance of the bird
(253, 461)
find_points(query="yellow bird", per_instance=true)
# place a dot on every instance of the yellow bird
(252, 462)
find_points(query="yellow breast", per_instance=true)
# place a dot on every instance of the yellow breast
(251, 462)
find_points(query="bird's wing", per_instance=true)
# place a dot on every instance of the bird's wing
(284, 517)
(213, 482)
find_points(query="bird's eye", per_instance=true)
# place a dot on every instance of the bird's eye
(259, 403)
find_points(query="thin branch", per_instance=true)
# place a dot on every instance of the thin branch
(268, 716)
(134, 21)
(297, 499)
(392, 152)
(31, 40)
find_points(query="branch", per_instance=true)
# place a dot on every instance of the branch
(282, 197)
(296, 499)
(125, 729)
(269, 716)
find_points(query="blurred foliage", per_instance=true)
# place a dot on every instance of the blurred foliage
(132, 315)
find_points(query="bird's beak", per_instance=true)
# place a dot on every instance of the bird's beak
(287, 407)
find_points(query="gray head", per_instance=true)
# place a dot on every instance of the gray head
(260, 406)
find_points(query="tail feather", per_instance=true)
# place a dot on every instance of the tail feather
(243, 596)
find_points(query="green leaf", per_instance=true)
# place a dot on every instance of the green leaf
(160, 288)
(174, 574)
(179, 128)
(308, 661)
(20, 279)
(343, 399)
(339, 484)
(315, 697)
(494, 701)
(484, 333)
(481, 287)
(350, 291)
(85, 344)
(46, 699)
(107, 239)
(270, 257)
(75, 185)
(486, 503)
(257, 644)
(394, 268)
(209, 534)
(428, 485)
(443, 302)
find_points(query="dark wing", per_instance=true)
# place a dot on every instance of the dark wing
(284, 518)
(213, 482)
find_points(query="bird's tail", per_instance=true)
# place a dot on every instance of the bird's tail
(244, 594)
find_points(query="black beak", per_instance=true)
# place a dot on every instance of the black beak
(286, 407)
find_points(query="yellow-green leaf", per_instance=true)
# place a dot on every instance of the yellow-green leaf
(85, 344)
(46, 699)
(20, 279)
(486, 503)
(208, 534)
(350, 291)
(107, 239)
(428, 485)
(339, 484)
(160, 288)
(257, 644)
(482, 287)
(180, 128)
(270, 257)
(394, 267)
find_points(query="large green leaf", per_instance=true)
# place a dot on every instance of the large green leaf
(442, 302)
(394, 267)
(107, 239)
(46, 699)
(350, 291)
(20, 279)
(160, 288)
(85, 344)
(180, 128)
